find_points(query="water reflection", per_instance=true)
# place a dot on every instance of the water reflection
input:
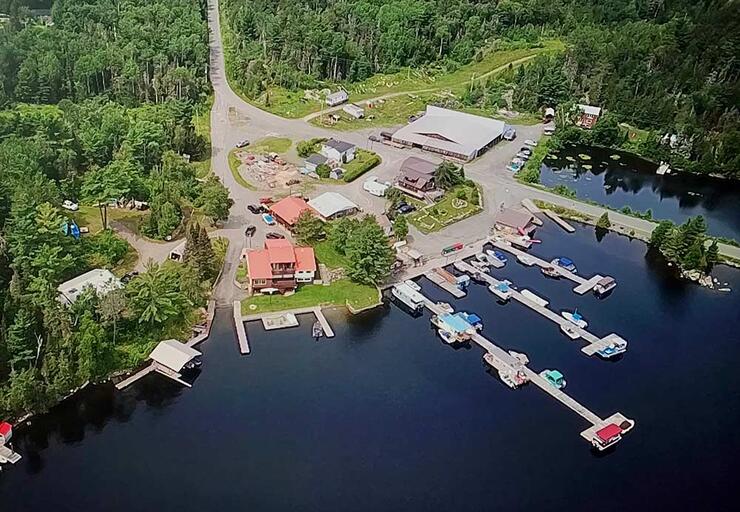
(631, 181)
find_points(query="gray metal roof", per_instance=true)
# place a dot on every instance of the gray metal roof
(173, 354)
(316, 159)
(339, 145)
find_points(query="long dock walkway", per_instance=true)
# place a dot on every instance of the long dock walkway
(583, 285)
(438, 279)
(505, 362)
(594, 342)
(559, 221)
(241, 332)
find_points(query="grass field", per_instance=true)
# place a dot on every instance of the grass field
(338, 293)
(449, 210)
(292, 104)
(89, 216)
(234, 164)
(327, 255)
(270, 145)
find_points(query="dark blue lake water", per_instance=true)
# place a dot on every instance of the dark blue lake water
(631, 181)
(386, 417)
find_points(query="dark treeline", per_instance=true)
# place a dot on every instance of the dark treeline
(97, 106)
(671, 67)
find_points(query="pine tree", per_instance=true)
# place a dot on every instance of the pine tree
(712, 254)
(369, 253)
(604, 222)
(694, 257)
(308, 228)
(660, 233)
(401, 227)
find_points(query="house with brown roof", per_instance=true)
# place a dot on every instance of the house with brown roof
(279, 267)
(416, 176)
(515, 222)
(286, 211)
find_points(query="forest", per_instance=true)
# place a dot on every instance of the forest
(97, 107)
(666, 67)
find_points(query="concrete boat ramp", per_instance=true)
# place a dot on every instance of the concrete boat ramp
(279, 320)
(594, 342)
(505, 362)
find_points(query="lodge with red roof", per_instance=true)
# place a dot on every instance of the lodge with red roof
(279, 267)
(286, 211)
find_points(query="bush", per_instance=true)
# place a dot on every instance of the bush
(564, 191)
(363, 162)
(323, 170)
(306, 147)
(105, 249)
(461, 194)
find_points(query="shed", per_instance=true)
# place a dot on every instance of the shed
(99, 279)
(338, 150)
(173, 355)
(313, 161)
(331, 205)
(354, 111)
(515, 221)
(336, 98)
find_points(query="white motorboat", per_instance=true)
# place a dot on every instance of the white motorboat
(501, 290)
(525, 260)
(570, 332)
(412, 284)
(575, 318)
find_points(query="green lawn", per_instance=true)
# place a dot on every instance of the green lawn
(449, 210)
(89, 216)
(234, 164)
(338, 293)
(292, 104)
(271, 145)
(391, 112)
(327, 255)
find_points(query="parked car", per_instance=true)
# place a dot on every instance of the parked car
(256, 208)
(273, 235)
(243, 144)
(250, 231)
(527, 151)
(266, 200)
(269, 219)
(404, 207)
(531, 143)
(70, 205)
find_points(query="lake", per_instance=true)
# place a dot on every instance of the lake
(386, 417)
(631, 181)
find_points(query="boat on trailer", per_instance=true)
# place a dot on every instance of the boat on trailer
(316, 330)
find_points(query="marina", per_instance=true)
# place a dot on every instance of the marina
(583, 285)
(595, 345)
(446, 281)
(516, 370)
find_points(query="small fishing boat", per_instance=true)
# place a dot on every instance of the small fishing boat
(316, 330)
(613, 349)
(525, 260)
(496, 254)
(479, 277)
(513, 379)
(554, 378)
(551, 272)
(565, 263)
(193, 364)
(445, 307)
(604, 286)
(501, 290)
(575, 318)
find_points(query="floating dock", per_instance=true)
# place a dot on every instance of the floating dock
(583, 285)
(505, 362)
(241, 333)
(8, 456)
(560, 222)
(594, 342)
(437, 277)
(274, 319)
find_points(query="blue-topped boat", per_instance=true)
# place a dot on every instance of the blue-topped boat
(565, 263)
(472, 319)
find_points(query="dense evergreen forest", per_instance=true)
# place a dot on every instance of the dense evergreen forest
(667, 66)
(97, 106)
